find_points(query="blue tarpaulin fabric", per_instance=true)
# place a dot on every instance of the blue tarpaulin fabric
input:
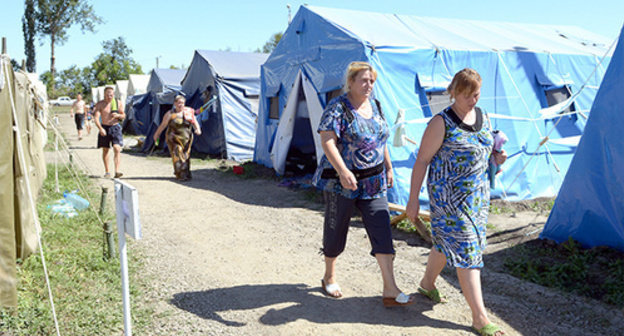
(229, 124)
(590, 205)
(138, 114)
(415, 55)
(163, 79)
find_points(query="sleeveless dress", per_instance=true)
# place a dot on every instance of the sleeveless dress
(459, 192)
(179, 138)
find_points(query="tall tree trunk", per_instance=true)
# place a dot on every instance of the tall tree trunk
(52, 58)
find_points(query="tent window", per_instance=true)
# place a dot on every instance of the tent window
(437, 101)
(333, 94)
(557, 95)
(274, 107)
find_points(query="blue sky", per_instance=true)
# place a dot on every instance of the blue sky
(172, 30)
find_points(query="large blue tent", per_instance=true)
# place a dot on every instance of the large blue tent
(227, 85)
(590, 206)
(539, 82)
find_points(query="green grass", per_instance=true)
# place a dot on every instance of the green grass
(86, 288)
(496, 209)
(407, 226)
(597, 273)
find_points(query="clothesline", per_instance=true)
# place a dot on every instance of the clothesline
(495, 116)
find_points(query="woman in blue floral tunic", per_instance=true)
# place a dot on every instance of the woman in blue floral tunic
(456, 146)
(356, 171)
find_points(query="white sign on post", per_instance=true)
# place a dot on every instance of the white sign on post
(127, 205)
(127, 209)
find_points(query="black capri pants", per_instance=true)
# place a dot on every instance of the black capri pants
(79, 119)
(338, 212)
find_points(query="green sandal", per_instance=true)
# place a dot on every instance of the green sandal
(433, 295)
(489, 329)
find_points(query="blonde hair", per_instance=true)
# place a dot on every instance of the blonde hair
(464, 82)
(354, 69)
(178, 97)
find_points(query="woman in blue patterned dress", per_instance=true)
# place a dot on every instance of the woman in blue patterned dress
(356, 171)
(456, 146)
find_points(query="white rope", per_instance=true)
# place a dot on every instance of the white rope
(534, 124)
(419, 107)
(70, 167)
(545, 139)
(22, 159)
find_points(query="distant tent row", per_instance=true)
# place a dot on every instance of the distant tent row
(134, 85)
(539, 82)
(590, 205)
(225, 84)
(23, 109)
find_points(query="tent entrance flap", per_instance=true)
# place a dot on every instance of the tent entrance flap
(297, 146)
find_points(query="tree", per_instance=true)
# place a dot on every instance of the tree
(114, 63)
(28, 27)
(47, 79)
(71, 82)
(15, 65)
(55, 17)
(268, 47)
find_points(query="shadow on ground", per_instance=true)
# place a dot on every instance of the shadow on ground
(304, 303)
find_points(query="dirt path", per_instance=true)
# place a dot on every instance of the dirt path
(229, 256)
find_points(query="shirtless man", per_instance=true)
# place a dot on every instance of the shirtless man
(78, 113)
(112, 113)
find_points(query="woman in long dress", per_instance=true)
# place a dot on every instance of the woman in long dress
(456, 146)
(180, 122)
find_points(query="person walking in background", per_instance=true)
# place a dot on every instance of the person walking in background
(111, 113)
(456, 146)
(89, 121)
(78, 113)
(180, 122)
(356, 171)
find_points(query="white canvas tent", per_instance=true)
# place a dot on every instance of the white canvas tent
(137, 84)
(121, 91)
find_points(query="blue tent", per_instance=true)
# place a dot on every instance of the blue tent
(526, 69)
(163, 79)
(138, 114)
(227, 85)
(149, 108)
(143, 108)
(590, 206)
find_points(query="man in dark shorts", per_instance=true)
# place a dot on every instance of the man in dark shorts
(111, 112)
(78, 113)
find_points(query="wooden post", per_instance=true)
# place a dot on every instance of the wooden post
(110, 241)
(419, 225)
(103, 200)
(108, 231)
(4, 45)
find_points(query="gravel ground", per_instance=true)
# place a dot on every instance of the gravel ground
(228, 256)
